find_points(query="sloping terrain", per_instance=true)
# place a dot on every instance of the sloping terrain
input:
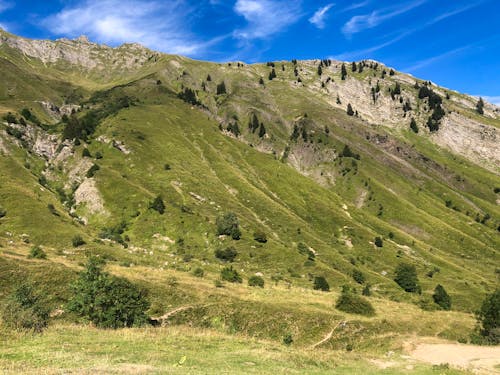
(95, 134)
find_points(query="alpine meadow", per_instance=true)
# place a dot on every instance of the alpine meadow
(160, 214)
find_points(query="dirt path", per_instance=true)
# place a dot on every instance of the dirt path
(329, 335)
(481, 359)
(162, 319)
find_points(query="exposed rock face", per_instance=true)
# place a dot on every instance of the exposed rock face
(477, 142)
(82, 52)
(88, 194)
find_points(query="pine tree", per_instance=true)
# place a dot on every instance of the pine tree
(343, 72)
(253, 124)
(262, 130)
(320, 70)
(397, 89)
(480, 106)
(221, 88)
(413, 125)
(272, 75)
(354, 67)
(209, 78)
(441, 298)
(350, 111)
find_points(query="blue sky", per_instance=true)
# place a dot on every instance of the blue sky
(455, 43)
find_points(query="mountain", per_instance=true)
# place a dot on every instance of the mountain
(346, 168)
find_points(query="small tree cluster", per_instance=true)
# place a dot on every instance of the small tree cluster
(228, 254)
(320, 283)
(441, 297)
(231, 275)
(488, 318)
(221, 88)
(406, 277)
(106, 300)
(189, 96)
(228, 225)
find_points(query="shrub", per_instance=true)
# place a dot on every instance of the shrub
(260, 236)
(230, 274)
(320, 283)
(488, 318)
(378, 242)
(26, 309)
(256, 281)
(358, 276)
(158, 205)
(228, 224)
(227, 255)
(367, 291)
(304, 250)
(91, 172)
(77, 241)
(98, 155)
(288, 339)
(349, 110)
(105, 300)
(354, 304)
(3, 212)
(36, 252)
(406, 278)
(198, 272)
(441, 298)
(86, 153)
(413, 125)
(480, 106)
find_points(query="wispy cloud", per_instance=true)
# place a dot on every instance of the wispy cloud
(367, 21)
(404, 33)
(492, 99)
(423, 63)
(318, 19)
(160, 25)
(355, 6)
(265, 17)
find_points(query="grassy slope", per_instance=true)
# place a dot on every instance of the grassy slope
(264, 192)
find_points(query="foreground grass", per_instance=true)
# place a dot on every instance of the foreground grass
(181, 350)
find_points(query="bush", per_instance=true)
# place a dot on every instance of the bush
(227, 255)
(198, 272)
(36, 252)
(26, 309)
(406, 278)
(442, 298)
(91, 172)
(3, 212)
(358, 276)
(230, 274)
(86, 153)
(320, 283)
(158, 205)
(488, 318)
(288, 339)
(105, 300)
(367, 291)
(256, 281)
(77, 241)
(378, 242)
(228, 225)
(354, 304)
(260, 236)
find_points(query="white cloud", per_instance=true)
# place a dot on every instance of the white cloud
(492, 99)
(318, 19)
(423, 63)
(265, 17)
(367, 21)
(160, 25)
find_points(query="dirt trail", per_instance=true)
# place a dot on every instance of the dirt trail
(329, 335)
(480, 359)
(162, 319)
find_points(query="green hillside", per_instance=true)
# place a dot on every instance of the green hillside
(87, 149)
